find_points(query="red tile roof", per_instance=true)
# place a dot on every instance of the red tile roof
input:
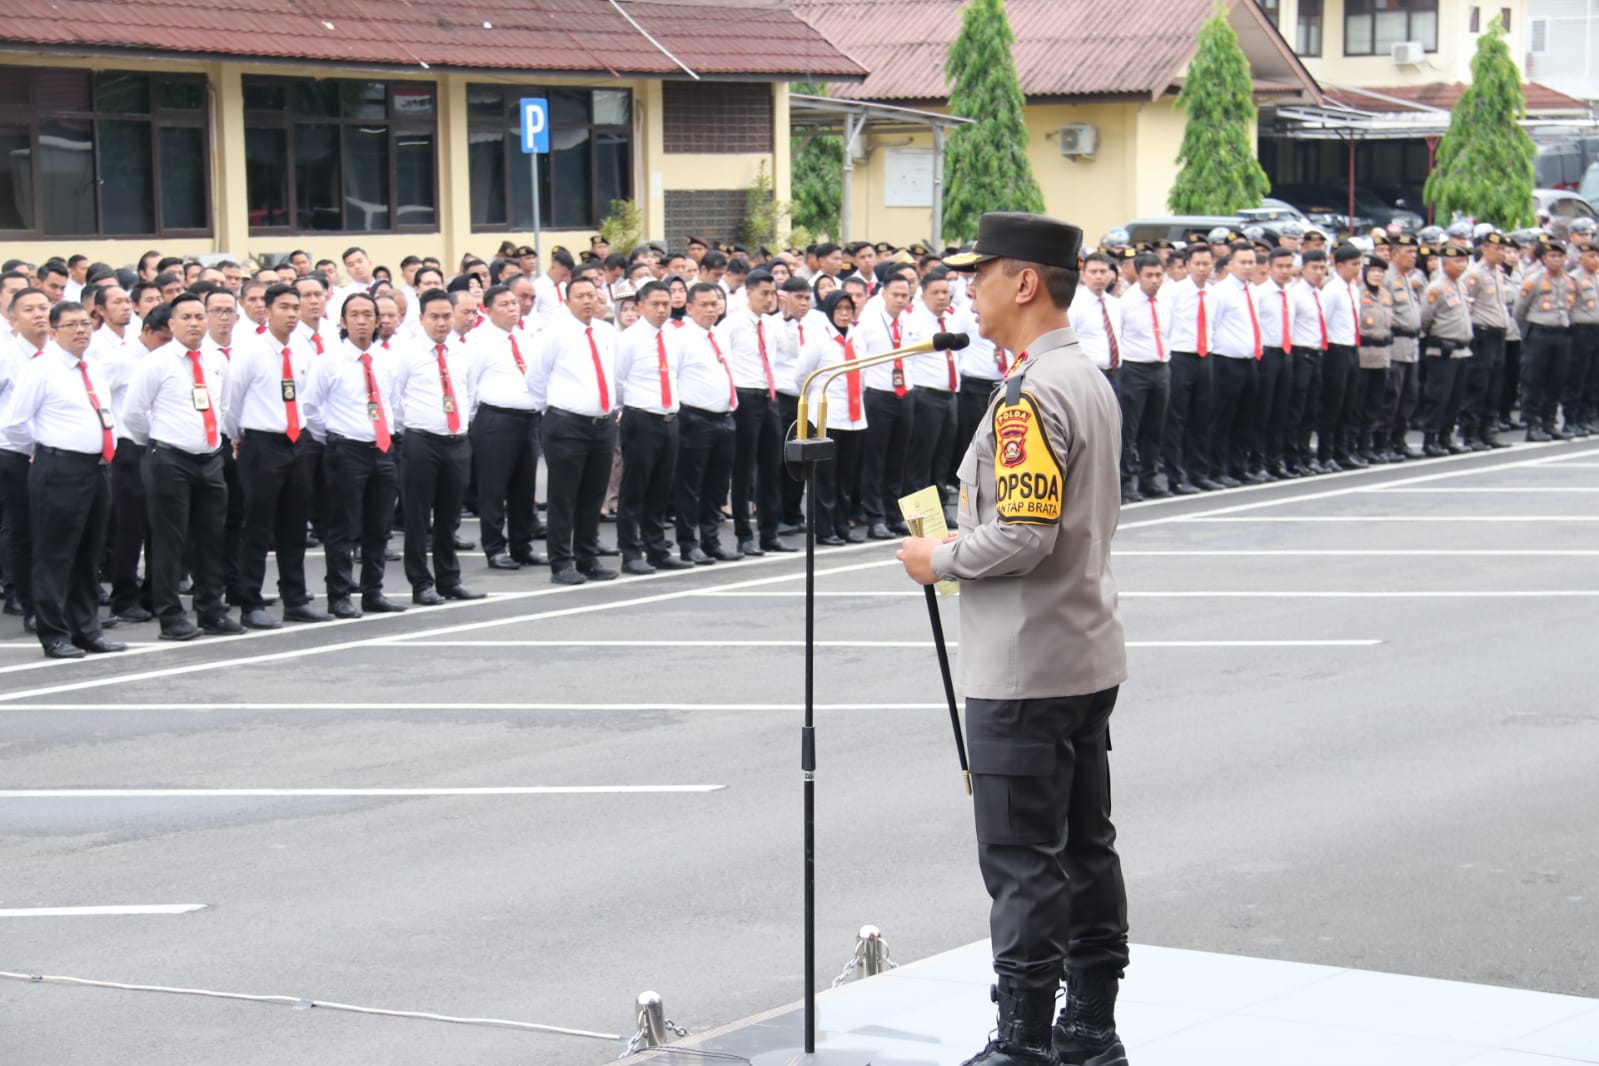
(1063, 47)
(727, 38)
(1442, 95)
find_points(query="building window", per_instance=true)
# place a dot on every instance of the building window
(1272, 10)
(87, 150)
(1373, 27)
(1538, 36)
(340, 156)
(1307, 35)
(590, 162)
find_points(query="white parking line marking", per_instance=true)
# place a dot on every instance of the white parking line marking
(1265, 594)
(345, 793)
(917, 644)
(1400, 518)
(1483, 490)
(439, 705)
(96, 912)
(1359, 553)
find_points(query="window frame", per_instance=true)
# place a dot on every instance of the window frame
(514, 162)
(1411, 10)
(32, 117)
(1305, 19)
(395, 124)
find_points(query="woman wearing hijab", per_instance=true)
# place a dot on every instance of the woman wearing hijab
(838, 482)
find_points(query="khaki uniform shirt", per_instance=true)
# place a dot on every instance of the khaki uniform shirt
(1585, 312)
(1406, 293)
(1485, 288)
(1545, 300)
(1445, 315)
(1376, 325)
(1040, 500)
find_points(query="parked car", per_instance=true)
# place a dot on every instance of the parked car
(1332, 200)
(1176, 227)
(1271, 210)
(1560, 203)
(1559, 164)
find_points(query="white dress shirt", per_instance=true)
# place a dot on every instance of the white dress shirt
(116, 358)
(980, 359)
(50, 406)
(876, 334)
(827, 348)
(785, 349)
(165, 403)
(419, 385)
(930, 371)
(750, 338)
(562, 372)
(1270, 301)
(253, 394)
(639, 353)
(1309, 323)
(549, 299)
(1088, 314)
(1143, 333)
(1182, 331)
(496, 378)
(324, 338)
(336, 394)
(704, 377)
(1340, 303)
(1233, 323)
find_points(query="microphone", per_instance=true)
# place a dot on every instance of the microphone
(950, 342)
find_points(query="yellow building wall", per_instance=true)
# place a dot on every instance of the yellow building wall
(1450, 63)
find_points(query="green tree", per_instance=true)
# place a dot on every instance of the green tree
(1484, 164)
(765, 216)
(623, 228)
(1218, 172)
(817, 174)
(986, 167)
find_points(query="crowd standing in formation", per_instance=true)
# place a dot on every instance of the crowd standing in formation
(199, 418)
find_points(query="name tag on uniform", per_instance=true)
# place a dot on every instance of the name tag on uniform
(202, 398)
(1548, 305)
(899, 379)
(449, 405)
(372, 413)
(288, 390)
(105, 418)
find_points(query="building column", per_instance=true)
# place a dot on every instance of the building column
(230, 202)
(455, 170)
(652, 189)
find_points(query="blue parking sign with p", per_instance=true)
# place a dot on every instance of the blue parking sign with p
(535, 124)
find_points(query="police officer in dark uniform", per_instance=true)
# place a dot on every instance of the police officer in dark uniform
(1042, 651)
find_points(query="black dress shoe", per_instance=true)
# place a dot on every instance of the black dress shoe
(306, 613)
(464, 545)
(1206, 484)
(269, 601)
(855, 536)
(377, 603)
(749, 547)
(134, 615)
(222, 626)
(109, 622)
(390, 555)
(1227, 481)
(461, 592)
(1186, 488)
(724, 555)
(259, 618)
(63, 650)
(13, 606)
(1254, 477)
(184, 630)
(343, 607)
(532, 558)
(607, 551)
(778, 546)
(788, 529)
(1150, 490)
(312, 540)
(102, 646)
(637, 567)
(1537, 435)
(1131, 497)
(596, 572)
(880, 531)
(567, 575)
(502, 561)
(899, 529)
(666, 562)
(30, 623)
(426, 597)
(697, 556)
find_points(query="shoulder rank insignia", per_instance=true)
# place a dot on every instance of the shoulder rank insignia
(1027, 476)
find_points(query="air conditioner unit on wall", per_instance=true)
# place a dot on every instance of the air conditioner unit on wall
(1078, 139)
(1409, 53)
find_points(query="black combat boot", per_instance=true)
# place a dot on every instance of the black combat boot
(1085, 1032)
(1023, 1038)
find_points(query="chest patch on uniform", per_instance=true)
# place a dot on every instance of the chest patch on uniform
(1027, 476)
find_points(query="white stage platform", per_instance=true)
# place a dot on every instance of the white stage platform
(1180, 1008)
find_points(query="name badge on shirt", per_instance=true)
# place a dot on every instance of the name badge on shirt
(105, 418)
(202, 398)
(899, 379)
(288, 390)
(372, 414)
(449, 405)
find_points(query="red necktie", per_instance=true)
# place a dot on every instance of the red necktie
(1203, 341)
(374, 403)
(516, 353)
(1288, 341)
(599, 372)
(899, 364)
(1154, 321)
(316, 339)
(1110, 335)
(291, 406)
(1321, 319)
(852, 380)
(260, 330)
(766, 364)
(108, 443)
(227, 353)
(999, 361)
(732, 393)
(949, 357)
(665, 369)
(800, 328)
(452, 410)
(1254, 320)
(210, 412)
(1354, 312)
(38, 353)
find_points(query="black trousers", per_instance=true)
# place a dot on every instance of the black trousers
(275, 475)
(1372, 407)
(506, 467)
(187, 500)
(16, 516)
(1403, 393)
(791, 490)
(433, 474)
(1143, 393)
(971, 404)
(704, 471)
(649, 461)
(1442, 391)
(1304, 397)
(1582, 375)
(1274, 383)
(1186, 452)
(577, 456)
(360, 505)
(835, 483)
(1484, 377)
(932, 439)
(1045, 841)
(1510, 394)
(1232, 413)
(71, 503)
(757, 465)
(1338, 363)
(232, 526)
(1547, 353)
(130, 529)
(889, 423)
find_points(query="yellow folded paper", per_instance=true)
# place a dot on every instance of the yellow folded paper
(924, 514)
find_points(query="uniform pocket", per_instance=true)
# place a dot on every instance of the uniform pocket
(1014, 791)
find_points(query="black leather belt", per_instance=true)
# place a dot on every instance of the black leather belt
(593, 420)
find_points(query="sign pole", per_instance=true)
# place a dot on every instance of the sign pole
(538, 228)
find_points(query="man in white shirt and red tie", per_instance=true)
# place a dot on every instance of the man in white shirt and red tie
(709, 398)
(646, 375)
(982, 367)
(58, 414)
(549, 288)
(889, 411)
(752, 334)
(937, 381)
(1236, 340)
(322, 336)
(504, 428)
(1275, 376)
(263, 415)
(1144, 382)
(349, 407)
(572, 379)
(29, 317)
(433, 390)
(222, 318)
(794, 301)
(1185, 450)
(173, 407)
(1309, 333)
(1095, 314)
(1340, 305)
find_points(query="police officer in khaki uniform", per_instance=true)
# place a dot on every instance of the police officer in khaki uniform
(1581, 385)
(1544, 308)
(1485, 287)
(1042, 650)
(1446, 320)
(1405, 287)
